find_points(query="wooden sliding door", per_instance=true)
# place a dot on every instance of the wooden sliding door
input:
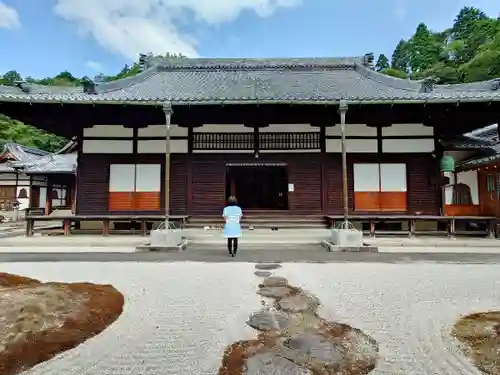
(380, 187)
(134, 187)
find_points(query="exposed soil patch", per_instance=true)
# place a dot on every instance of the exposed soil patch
(480, 334)
(40, 320)
(294, 340)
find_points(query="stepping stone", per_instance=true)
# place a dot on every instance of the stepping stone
(275, 281)
(316, 347)
(262, 273)
(267, 266)
(271, 364)
(269, 320)
(274, 291)
(298, 303)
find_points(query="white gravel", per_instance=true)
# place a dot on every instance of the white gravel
(180, 316)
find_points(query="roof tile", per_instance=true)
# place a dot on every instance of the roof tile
(243, 80)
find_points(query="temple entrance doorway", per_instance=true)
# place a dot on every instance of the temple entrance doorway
(258, 186)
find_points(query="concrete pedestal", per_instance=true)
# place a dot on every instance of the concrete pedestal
(165, 240)
(347, 240)
(346, 237)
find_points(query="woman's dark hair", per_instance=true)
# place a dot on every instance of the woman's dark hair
(232, 201)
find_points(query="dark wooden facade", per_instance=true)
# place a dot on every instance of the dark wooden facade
(198, 181)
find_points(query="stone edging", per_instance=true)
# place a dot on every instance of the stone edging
(330, 247)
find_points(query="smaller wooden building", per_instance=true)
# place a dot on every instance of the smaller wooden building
(14, 183)
(474, 187)
(51, 179)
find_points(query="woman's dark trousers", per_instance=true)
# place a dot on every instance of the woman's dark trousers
(232, 245)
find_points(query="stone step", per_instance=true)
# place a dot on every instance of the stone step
(258, 218)
(268, 224)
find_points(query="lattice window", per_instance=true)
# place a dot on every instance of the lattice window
(289, 141)
(223, 141)
(490, 182)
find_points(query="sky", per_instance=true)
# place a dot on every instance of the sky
(41, 38)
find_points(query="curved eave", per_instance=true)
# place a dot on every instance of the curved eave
(361, 101)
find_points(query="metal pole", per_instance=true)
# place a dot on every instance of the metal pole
(167, 109)
(345, 192)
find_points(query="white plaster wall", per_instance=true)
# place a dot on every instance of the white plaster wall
(352, 130)
(158, 146)
(223, 128)
(448, 190)
(39, 183)
(43, 195)
(108, 131)
(91, 146)
(9, 179)
(407, 145)
(470, 178)
(407, 130)
(352, 145)
(289, 128)
(161, 131)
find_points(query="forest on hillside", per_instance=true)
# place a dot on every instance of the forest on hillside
(468, 51)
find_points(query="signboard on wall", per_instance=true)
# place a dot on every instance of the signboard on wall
(291, 188)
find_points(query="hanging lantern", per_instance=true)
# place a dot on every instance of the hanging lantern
(447, 164)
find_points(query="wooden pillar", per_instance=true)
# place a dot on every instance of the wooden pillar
(324, 171)
(73, 195)
(30, 189)
(189, 161)
(48, 197)
(69, 194)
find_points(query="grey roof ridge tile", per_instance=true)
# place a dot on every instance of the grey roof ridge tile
(471, 86)
(256, 63)
(119, 84)
(398, 83)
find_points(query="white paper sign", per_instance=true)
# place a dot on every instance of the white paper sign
(291, 187)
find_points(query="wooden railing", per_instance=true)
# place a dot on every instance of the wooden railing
(266, 141)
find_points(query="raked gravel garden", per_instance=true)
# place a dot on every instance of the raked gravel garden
(190, 318)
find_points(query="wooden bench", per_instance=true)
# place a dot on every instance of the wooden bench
(105, 219)
(491, 222)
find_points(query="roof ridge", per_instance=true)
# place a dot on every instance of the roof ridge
(398, 83)
(255, 62)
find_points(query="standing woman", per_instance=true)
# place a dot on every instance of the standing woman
(232, 229)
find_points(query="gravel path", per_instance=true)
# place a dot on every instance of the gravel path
(180, 316)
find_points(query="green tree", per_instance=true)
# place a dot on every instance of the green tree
(424, 49)
(10, 78)
(394, 73)
(11, 130)
(382, 63)
(399, 60)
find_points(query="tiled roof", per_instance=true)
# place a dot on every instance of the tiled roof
(488, 133)
(486, 136)
(464, 142)
(212, 81)
(56, 163)
(21, 154)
